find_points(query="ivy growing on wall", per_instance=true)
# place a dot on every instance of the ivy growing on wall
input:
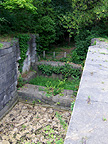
(23, 39)
(66, 70)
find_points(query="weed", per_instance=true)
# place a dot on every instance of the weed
(58, 103)
(103, 53)
(50, 134)
(23, 39)
(104, 119)
(37, 117)
(21, 82)
(72, 105)
(103, 39)
(41, 89)
(94, 43)
(48, 95)
(89, 99)
(66, 70)
(39, 100)
(67, 84)
(34, 102)
(62, 122)
(1, 45)
(23, 126)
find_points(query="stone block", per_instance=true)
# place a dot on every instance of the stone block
(2, 83)
(8, 106)
(2, 59)
(2, 96)
(6, 99)
(10, 81)
(6, 51)
(1, 105)
(11, 74)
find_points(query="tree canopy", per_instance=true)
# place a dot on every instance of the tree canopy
(52, 19)
(19, 4)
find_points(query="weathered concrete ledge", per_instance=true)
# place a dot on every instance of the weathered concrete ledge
(54, 63)
(37, 94)
(89, 120)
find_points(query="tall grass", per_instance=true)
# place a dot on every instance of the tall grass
(43, 81)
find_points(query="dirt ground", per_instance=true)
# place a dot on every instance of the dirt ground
(29, 124)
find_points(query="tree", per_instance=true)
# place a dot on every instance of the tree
(82, 14)
(19, 4)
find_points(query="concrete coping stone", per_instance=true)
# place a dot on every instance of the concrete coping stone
(37, 94)
(89, 120)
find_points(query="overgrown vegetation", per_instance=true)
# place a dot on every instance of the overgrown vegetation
(1, 45)
(21, 82)
(23, 39)
(50, 82)
(56, 21)
(66, 70)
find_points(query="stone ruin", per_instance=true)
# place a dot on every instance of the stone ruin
(9, 56)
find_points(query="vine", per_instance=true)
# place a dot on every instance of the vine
(23, 39)
(66, 70)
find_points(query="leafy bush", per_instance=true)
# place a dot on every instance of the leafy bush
(47, 33)
(23, 39)
(66, 70)
(83, 41)
(69, 85)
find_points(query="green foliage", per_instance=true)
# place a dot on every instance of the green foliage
(23, 39)
(54, 20)
(62, 122)
(83, 41)
(72, 105)
(69, 85)
(21, 82)
(94, 43)
(66, 70)
(83, 13)
(1, 45)
(50, 134)
(54, 89)
(19, 4)
(46, 30)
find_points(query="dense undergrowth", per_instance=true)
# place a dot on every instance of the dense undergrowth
(56, 21)
(66, 70)
(65, 84)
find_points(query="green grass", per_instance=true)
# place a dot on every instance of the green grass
(103, 39)
(43, 81)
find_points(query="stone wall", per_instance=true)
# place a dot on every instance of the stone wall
(54, 64)
(9, 56)
(8, 77)
(31, 54)
(89, 120)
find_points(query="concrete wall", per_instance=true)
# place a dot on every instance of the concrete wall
(9, 56)
(31, 54)
(8, 77)
(89, 120)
